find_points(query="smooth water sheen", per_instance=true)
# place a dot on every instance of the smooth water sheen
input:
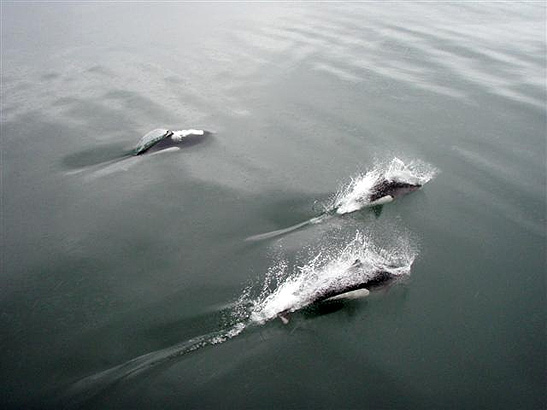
(127, 281)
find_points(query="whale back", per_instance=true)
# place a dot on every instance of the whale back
(391, 188)
(379, 279)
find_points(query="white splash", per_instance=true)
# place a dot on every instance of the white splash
(356, 194)
(285, 291)
(180, 134)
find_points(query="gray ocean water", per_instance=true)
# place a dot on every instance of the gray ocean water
(123, 278)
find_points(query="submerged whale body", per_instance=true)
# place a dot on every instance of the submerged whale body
(158, 135)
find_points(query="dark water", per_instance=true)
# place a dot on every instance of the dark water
(119, 274)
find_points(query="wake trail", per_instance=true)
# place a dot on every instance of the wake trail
(120, 164)
(97, 383)
(284, 231)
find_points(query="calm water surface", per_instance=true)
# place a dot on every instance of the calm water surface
(120, 274)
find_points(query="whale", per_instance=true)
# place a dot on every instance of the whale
(379, 186)
(382, 192)
(391, 189)
(165, 137)
(378, 279)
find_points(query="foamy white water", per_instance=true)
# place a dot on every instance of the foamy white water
(179, 135)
